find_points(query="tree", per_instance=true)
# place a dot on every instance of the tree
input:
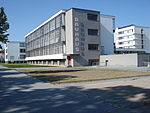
(4, 26)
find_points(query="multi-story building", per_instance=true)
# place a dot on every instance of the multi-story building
(107, 26)
(132, 39)
(15, 52)
(71, 37)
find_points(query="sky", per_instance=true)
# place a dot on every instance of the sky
(25, 15)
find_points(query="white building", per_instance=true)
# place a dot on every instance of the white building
(15, 52)
(70, 37)
(107, 25)
(132, 39)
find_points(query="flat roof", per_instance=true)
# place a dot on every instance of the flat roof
(16, 42)
(130, 26)
(84, 10)
(107, 15)
(126, 26)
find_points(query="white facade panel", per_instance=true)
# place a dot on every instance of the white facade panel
(69, 31)
(13, 51)
(107, 37)
(47, 57)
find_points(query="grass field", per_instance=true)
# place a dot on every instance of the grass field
(22, 65)
(82, 74)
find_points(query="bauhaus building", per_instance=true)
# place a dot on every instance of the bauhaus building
(70, 37)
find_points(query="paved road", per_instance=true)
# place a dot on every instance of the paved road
(20, 93)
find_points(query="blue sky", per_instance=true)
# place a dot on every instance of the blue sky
(25, 15)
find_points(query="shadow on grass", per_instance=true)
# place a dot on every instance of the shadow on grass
(53, 78)
(57, 71)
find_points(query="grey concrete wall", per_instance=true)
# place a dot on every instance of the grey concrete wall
(143, 59)
(81, 25)
(130, 60)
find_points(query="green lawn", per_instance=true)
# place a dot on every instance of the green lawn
(23, 65)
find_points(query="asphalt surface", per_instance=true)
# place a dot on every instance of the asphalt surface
(20, 93)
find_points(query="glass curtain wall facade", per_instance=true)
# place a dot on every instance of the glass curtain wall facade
(46, 40)
(70, 37)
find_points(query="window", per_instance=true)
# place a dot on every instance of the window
(22, 56)
(92, 17)
(92, 62)
(93, 32)
(120, 43)
(22, 50)
(102, 50)
(52, 25)
(93, 46)
(58, 21)
(121, 32)
(142, 31)
(130, 31)
(120, 38)
(127, 31)
(22, 44)
(12, 58)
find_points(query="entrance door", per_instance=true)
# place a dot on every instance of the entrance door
(69, 60)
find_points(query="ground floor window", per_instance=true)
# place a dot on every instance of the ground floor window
(49, 62)
(92, 62)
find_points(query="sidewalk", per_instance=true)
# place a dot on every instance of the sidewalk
(20, 93)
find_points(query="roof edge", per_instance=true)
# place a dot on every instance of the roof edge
(58, 13)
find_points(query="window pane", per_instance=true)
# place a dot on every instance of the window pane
(52, 25)
(22, 56)
(22, 51)
(92, 17)
(22, 44)
(93, 32)
(93, 46)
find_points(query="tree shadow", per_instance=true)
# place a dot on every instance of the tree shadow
(4, 69)
(53, 78)
(22, 96)
(57, 71)
(9, 72)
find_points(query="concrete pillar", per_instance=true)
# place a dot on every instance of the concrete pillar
(58, 62)
(52, 63)
(148, 64)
